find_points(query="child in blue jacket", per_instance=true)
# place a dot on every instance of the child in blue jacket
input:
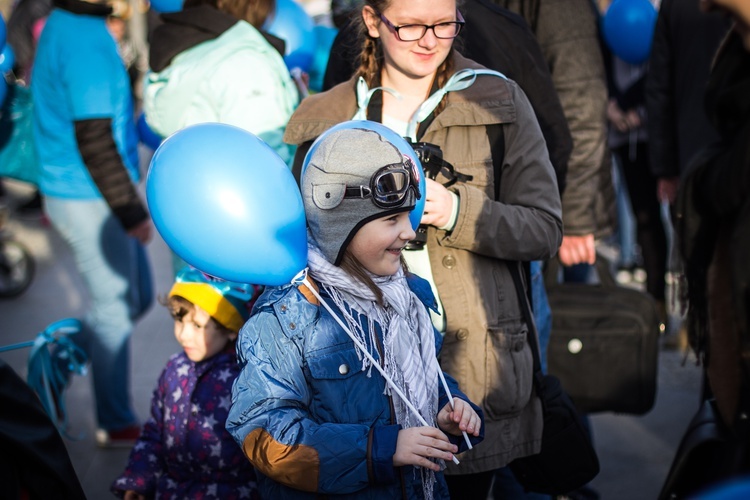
(184, 451)
(309, 410)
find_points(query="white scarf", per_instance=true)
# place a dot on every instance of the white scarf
(408, 338)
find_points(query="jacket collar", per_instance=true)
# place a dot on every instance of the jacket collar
(486, 102)
(185, 29)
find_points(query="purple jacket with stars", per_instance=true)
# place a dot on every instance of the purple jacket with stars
(184, 450)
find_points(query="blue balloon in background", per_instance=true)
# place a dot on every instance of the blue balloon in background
(292, 24)
(7, 59)
(403, 146)
(227, 204)
(324, 37)
(166, 6)
(628, 27)
(145, 134)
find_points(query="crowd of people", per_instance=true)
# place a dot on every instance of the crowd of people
(405, 351)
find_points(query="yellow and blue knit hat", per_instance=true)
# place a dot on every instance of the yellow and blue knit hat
(225, 301)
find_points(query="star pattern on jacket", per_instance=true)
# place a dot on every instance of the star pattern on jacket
(184, 450)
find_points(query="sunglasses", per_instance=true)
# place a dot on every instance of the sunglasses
(389, 186)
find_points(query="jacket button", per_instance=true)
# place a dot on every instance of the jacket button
(283, 308)
(292, 326)
(343, 369)
(449, 261)
(462, 334)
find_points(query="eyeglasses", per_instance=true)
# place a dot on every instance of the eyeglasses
(389, 186)
(414, 32)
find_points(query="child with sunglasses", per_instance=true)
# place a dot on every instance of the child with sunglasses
(184, 451)
(318, 408)
(413, 80)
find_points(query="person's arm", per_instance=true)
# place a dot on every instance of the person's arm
(526, 224)
(93, 108)
(269, 418)
(99, 152)
(571, 45)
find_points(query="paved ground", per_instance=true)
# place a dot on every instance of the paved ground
(635, 452)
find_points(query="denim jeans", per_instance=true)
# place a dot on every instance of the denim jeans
(108, 260)
(542, 312)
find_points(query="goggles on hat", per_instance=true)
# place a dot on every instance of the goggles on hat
(389, 186)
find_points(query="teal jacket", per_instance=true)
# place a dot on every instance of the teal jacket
(209, 67)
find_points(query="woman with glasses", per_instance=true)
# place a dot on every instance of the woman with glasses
(412, 80)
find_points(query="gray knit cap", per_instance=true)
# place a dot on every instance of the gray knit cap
(345, 158)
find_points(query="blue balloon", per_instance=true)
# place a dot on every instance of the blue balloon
(628, 28)
(227, 204)
(146, 135)
(415, 216)
(166, 6)
(324, 37)
(292, 24)
(7, 59)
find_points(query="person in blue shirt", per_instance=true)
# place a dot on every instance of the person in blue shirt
(86, 140)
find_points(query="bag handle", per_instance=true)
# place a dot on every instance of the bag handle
(606, 279)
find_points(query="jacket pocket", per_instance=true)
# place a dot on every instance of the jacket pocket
(510, 369)
(341, 391)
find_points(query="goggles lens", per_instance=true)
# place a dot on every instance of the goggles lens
(390, 185)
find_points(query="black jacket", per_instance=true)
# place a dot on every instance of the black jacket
(500, 40)
(685, 41)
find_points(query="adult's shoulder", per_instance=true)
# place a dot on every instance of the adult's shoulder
(319, 112)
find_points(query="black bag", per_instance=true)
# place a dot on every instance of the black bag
(604, 343)
(567, 459)
(709, 453)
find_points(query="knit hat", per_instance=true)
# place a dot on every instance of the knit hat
(225, 301)
(346, 160)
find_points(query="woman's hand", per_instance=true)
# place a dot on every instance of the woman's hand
(461, 419)
(416, 445)
(616, 116)
(132, 495)
(438, 206)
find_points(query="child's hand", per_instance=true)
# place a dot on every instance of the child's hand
(416, 444)
(463, 418)
(132, 495)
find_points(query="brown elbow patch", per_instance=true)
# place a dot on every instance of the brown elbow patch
(295, 466)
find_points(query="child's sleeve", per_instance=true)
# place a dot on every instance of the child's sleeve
(146, 463)
(270, 420)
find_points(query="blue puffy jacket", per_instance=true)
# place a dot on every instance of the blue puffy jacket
(307, 416)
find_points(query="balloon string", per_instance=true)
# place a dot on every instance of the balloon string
(301, 279)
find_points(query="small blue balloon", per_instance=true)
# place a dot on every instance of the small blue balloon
(166, 6)
(324, 37)
(415, 216)
(7, 59)
(228, 205)
(292, 24)
(628, 28)
(146, 135)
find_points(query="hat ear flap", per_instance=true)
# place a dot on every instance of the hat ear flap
(328, 196)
